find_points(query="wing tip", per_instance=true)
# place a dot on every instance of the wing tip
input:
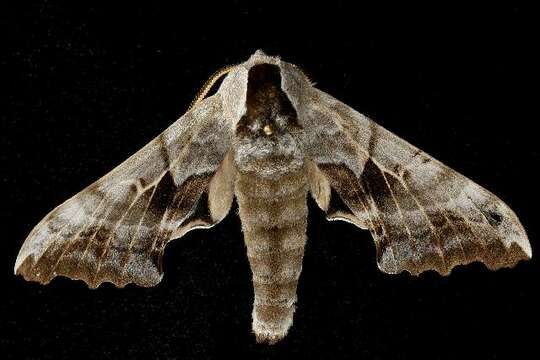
(515, 232)
(525, 246)
(24, 267)
(18, 263)
(22, 257)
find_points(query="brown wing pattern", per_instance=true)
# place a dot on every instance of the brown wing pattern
(116, 229)
(422, 214)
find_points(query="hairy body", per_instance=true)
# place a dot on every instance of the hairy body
(271, 190)
(274, 221)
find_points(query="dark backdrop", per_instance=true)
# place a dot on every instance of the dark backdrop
(88, 86)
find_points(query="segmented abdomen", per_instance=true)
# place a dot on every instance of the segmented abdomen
(273, 213)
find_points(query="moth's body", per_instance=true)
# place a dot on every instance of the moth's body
(268, 137)
(271, 189)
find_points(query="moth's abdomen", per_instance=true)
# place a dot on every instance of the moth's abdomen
(274, 219)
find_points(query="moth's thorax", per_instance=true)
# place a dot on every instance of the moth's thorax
(267, 137)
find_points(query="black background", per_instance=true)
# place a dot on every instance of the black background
(88, 86)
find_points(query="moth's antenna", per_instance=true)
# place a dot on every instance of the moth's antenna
(201, 94)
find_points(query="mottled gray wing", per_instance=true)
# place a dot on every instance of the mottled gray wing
(422, 214)
(116, 229)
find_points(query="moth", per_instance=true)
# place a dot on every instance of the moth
(268, 137)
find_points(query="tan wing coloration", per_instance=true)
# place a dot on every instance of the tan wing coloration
(116, 229)
(422, 214)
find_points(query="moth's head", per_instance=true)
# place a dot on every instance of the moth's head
(260, 72)
(269, 113)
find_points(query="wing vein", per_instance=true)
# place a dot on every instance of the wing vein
(409, 234)
(113, 233)
(423, 210)
(136, 232)
(381, 224)
(76, 236)
(163, 217)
